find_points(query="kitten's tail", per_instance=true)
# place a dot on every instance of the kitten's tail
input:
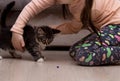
(5, 12)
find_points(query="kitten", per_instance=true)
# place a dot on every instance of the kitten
(34, 37)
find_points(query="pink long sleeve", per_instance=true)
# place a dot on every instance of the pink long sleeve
(70, 27)
(30, 10)
(104, 12)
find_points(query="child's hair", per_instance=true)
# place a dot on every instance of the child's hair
(66, 12)
(85, 15)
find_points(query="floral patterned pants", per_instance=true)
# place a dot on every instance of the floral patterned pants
(98, 50)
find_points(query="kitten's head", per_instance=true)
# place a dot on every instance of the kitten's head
(45, 34)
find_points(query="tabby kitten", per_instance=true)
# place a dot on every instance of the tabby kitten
(34, 37)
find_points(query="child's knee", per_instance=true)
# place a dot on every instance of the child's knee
(86, 59)
(80, 59)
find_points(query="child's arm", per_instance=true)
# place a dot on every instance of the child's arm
(70, 27)
(30, 10)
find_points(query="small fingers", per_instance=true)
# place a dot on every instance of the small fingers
(18, 42)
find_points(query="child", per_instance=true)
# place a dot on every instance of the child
(103, 16)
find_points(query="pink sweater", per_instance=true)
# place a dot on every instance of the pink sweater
(103, 12)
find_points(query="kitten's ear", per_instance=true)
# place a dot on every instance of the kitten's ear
(55, 31)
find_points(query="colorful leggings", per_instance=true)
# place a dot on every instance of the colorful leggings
(98, 50)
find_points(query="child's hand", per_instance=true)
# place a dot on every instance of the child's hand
(18, 41)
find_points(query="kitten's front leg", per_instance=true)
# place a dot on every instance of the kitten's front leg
(34, 50)
(1, 57)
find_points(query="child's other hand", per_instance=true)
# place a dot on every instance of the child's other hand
(18, 41)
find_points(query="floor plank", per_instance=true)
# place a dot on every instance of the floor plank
(58, 66)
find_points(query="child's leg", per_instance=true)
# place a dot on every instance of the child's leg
(101, 56)
(93, 53)
(77, 45)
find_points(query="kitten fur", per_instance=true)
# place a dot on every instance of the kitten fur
(34, 37)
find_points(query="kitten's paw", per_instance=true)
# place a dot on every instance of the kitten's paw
(1, 57)
(40, 60)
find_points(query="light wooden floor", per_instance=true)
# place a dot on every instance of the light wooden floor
(57, 67)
